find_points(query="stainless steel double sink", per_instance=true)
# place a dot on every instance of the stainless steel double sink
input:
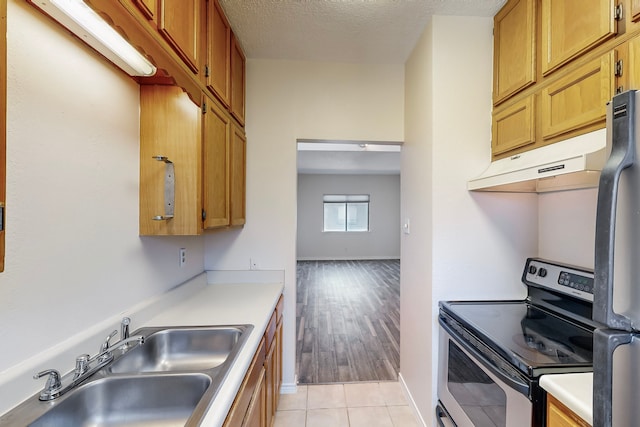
(170, 380)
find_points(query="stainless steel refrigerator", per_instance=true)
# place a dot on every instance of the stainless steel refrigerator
(616, 352)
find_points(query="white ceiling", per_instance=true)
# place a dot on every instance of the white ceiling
(362, 31)
(357, 31)
(344, 157)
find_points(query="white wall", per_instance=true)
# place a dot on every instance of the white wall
(462, 245)
(73, 252)
(286, 101)
(567, 222)
(382, 241)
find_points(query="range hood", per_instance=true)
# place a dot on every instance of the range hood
(568, 165)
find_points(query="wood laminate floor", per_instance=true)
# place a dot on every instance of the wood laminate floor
(348, 321)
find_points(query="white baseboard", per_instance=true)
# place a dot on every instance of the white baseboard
(346, 258)
(412, 403)
(288, 388)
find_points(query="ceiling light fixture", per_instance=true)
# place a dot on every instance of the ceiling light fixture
(85, 23)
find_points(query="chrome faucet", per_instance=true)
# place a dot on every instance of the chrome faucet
(86, 366)
(124, 331)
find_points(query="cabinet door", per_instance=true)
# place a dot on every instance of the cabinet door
(219, 52)
(579, 99)
(237, 80)
(278, 365)
(180, 25)
(631, 72)
(514, 48)
(270, 372)
(559, 415)
(237, 183)
(256, 414)
(217, 126)
(149, 8)
(571, 27)
(170, 126)
(635, 10)
(514, 126)
(245, 398)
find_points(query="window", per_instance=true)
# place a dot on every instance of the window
(346, 212)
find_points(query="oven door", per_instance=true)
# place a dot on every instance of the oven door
(477, 393)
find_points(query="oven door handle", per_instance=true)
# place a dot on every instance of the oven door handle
(520, 386)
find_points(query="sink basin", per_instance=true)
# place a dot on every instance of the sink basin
(161, 401)
(180, 349)
(170, 380)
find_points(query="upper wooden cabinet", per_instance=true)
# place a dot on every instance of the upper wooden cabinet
(514, 127)
(514, 47)
(578, 99)
(635, 10)
(631, 69)
(237, 80)
(208, 160)
(216, 144)
(170, 127)
(237, 183)
(571, 27)
(179, 23)
(149, 8)
(218, 72)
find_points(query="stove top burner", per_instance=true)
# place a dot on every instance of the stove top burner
(532, 339)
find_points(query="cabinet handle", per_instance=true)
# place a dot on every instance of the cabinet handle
(618, 13)
(169, 189)
(619, 68)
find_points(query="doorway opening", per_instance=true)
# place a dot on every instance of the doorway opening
(348, 262)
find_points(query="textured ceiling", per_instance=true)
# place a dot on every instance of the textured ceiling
(361, 31)
(364, 31)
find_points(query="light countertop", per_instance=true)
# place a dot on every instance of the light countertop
(195, 303)
(575, 391)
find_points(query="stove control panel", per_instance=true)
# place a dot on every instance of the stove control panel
(568, 279)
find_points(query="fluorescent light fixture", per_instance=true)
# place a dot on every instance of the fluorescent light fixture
(85, 23)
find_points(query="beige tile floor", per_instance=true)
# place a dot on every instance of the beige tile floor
(373, 404)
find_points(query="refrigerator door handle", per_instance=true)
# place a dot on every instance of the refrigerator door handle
(605, 341)
(621, 129)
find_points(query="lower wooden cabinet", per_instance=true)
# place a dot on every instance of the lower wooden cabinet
(256, 403)
(257, 411)
(558, 415)
(250, 398)
(273, 363)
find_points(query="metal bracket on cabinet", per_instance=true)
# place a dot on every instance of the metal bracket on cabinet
(169, 189)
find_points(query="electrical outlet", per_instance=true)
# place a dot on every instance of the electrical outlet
(183, 256)
(253, 264)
